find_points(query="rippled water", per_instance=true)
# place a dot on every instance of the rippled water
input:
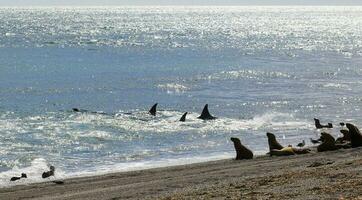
(259, 69)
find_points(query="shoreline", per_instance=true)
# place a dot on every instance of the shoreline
(325, 175)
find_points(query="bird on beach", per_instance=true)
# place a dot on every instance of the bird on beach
(301, 144)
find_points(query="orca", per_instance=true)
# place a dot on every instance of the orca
(48, 173)
(205, 115)
(78, 110)
(319, 126)
(153, 110)
(183, 118)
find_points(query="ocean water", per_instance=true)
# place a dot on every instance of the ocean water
(259, 68)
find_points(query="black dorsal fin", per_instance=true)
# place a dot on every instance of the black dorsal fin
(183, 118)
(153, 110)
(205, 115)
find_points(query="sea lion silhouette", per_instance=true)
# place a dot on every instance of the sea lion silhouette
(49, 173)
(273, 143)
(355, 134)
(278, 150)
(318, 125)
(346, 136)
(286, 151)
(23, 175)
(328, 143)
(241, 151)
(205, 115)
(153, 110)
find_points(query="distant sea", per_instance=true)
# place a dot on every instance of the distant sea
(259, 68)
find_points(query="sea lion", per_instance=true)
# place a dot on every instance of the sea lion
(49, 173)
(241, 151)
(15, 178)
(328, 143)
(205, 115)
(183, 118)
(355, 135)
(319, 126)
(273, 143)
(286, 151)
(346, 136)
(153, 110)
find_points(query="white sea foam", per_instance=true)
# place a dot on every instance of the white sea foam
(336, 85)
(248, 74)
(167, 121)
(39, 165)
(173, 87)
(33, 172)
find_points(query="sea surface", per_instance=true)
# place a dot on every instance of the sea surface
(260, 69)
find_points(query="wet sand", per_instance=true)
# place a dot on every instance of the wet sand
(327, 175)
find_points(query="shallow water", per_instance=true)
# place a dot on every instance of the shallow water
(259, 68)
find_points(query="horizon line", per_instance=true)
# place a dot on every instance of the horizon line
(196, 5)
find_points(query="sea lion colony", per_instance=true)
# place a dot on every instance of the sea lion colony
(352, 138)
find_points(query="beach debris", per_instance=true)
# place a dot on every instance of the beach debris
(58, 182)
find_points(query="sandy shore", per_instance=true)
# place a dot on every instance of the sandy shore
(327, 175)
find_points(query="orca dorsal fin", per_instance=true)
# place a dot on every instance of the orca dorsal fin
(153, 110)
(205, 115)
(183, 118)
